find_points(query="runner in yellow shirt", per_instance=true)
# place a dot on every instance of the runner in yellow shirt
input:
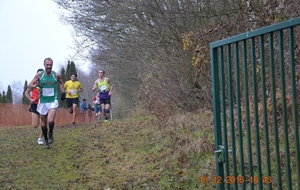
(72, 88)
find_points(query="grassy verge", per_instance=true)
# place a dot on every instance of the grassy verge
(135, 153)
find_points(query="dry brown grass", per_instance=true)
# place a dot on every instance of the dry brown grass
(18, 115)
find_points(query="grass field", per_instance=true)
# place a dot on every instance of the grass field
(140, 152)
(133, 153)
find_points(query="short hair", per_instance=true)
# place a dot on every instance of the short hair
(84, 99)
(102, 70)
(48, 59)
(39, 70)
(74, 74)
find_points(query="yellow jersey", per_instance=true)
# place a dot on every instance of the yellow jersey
(72, 88)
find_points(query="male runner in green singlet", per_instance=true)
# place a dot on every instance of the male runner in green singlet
(48, 102)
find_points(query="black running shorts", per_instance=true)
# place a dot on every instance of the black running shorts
(105, 100)
(71, 101)
(33, 109)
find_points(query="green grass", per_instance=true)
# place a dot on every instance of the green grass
(126, 154)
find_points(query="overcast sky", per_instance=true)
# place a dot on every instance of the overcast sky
(30, 32)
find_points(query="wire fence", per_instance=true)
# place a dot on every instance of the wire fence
(12, 115)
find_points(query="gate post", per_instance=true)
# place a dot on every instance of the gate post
(217, 119)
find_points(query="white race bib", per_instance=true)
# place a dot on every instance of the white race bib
(73, 91)
(103, 87)
(48, 91)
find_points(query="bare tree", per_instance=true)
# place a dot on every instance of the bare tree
(157, 51)
(139, 42)
(17, 92)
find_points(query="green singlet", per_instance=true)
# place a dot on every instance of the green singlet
(104, 88)
(48, 92)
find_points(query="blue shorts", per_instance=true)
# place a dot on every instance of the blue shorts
(98, 108)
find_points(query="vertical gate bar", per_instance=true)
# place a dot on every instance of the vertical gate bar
(274, 109)
(265, 113)
(216, 106)
(284, 111)
(239, 115)
(231, 106)
(294, 101)
(224, 114)
(256, 119)
(247, 112)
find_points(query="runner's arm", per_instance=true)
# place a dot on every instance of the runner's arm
(27, 95)
(95, 86)
(111, 87)
(80, 88)
(61, 83)
(33, 83)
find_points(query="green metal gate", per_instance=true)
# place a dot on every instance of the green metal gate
(255, 93)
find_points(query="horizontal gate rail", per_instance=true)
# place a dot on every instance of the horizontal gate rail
(258, 32)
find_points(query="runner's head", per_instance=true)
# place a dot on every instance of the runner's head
(48, 63)
(73, 76)
(101, 73)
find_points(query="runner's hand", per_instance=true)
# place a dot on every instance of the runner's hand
(63, 96)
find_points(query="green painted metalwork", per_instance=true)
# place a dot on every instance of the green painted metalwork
(255, 106)
(217, 119)
(224, 115)
(247, 111)
(274, 115)
(239, 116)
(294, 101)
(231, 108)
(265, 114)
(284, 109)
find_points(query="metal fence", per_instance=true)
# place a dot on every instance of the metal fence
(255, 93)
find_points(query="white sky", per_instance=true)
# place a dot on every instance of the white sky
(30, 31)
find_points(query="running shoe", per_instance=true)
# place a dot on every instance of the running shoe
(106, 120)
(50, 137)
(46, 145)
(40, 141)
(73, 123)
